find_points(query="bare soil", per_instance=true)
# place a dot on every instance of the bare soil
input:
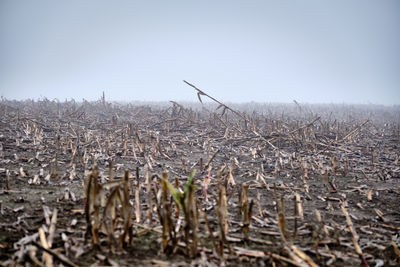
(330, 156)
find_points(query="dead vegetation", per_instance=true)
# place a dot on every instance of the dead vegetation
(99, 183)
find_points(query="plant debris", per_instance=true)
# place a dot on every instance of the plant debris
(207, 184)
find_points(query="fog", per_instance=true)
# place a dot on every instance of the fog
(237, 51)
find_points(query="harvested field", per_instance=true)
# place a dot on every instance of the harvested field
(108, 184)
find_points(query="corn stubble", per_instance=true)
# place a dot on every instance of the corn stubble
(221, 187)
(115, 220)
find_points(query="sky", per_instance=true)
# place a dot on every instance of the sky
(342, 51)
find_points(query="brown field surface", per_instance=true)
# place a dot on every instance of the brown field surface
(107, 184)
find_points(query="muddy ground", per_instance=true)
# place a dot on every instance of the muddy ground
(335, 159)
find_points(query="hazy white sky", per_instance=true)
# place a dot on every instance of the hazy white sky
(266, 51)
